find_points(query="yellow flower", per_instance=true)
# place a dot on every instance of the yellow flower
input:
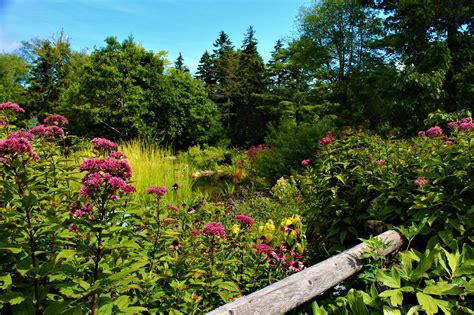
(235, 229)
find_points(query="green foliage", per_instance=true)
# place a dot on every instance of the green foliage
(13, 72)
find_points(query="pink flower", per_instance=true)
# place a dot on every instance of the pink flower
(449, 142)
(434, 131)
(175, 245)
(466, 126)
(3, 123)
(422, 181)
(79, 213)
(421, 134)
(56, 120)
(262, 248)
(453, 125)
(305, 163)
(21, 134)
(14, 146)
(325, 141)
(12, 106)
(330, 134)
(117, 155)
(214, 228)
(72, 228)
(380, 162)
(172, 207)
(195, 232)
(103, 145)
(158, 191)
(49, 132)
(245, 219)
(191, 210)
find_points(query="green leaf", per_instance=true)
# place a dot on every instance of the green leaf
(396, 296)
(427, 303)
(356, 302)
(229, 286)
(318, 310)
(5, 281)
(13, 250)
(56, 308)
(442, 288)
(67, 254)
(12, 298)
(391, 280)
(390, 311)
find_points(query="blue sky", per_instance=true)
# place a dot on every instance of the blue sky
(186, 26)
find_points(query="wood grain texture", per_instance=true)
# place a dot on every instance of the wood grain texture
(299, 288)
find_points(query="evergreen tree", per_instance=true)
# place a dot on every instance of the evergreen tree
(179, 64)
(248, 120)
(205, 70)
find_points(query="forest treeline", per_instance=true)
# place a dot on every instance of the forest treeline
(383, 64)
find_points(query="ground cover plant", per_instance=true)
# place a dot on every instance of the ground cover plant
(97, 249)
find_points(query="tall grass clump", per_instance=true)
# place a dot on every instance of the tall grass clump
(156, 166)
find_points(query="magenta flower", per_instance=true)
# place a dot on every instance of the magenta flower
(14, 146)
(172, 207)
(12, 106)
(262, 248)
(214, 228)
(158, 191)
(305, 163)
(465, 126)
(422, 181)
(72, 228)
(421, 134)
(3, 123)
(103, 145)
(117, 168)
(449, 142)
(466, 120)
(56, 120)
(245, 219)
(195, 233)
(380, 162)
(49, 132)
(453, 125)
(434, 131)
(325, 141)
(21, 134)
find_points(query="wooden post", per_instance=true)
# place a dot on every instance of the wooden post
(301, 287)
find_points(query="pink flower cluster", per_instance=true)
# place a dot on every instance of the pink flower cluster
(306, 163)
(434, 131)
(380, 162)
(214, 228)
(106, 173)
(77, 210)
(256, 150)
(48, 132)
(173, 207)
(422, 181)
(16, 143)
(325, 141)
(56, 120)
(3, 123)
(11, 106)
(158, 191)
(262, 248)
(245, 219)
(103, 145)
(464, 124)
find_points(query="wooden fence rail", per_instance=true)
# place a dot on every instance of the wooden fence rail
(301, 287)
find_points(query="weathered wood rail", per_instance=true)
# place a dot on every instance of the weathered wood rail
(287, 294)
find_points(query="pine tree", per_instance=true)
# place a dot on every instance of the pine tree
(179, 64)
(205, 70)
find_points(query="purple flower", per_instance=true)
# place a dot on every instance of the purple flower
(158, 191)
(103, 145)
(117, 168)
(72, 228)
(422, 181)
(434, 131)
(380, 162)
(262, 248)
(49, 132)
(214, 228)
(21, 134)
(305, 163)
(56, 120)
(195, 232)
(325, 141)
(117, 155)
(13, 146)
(79, 213)
(12, 106)
(245, 219)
